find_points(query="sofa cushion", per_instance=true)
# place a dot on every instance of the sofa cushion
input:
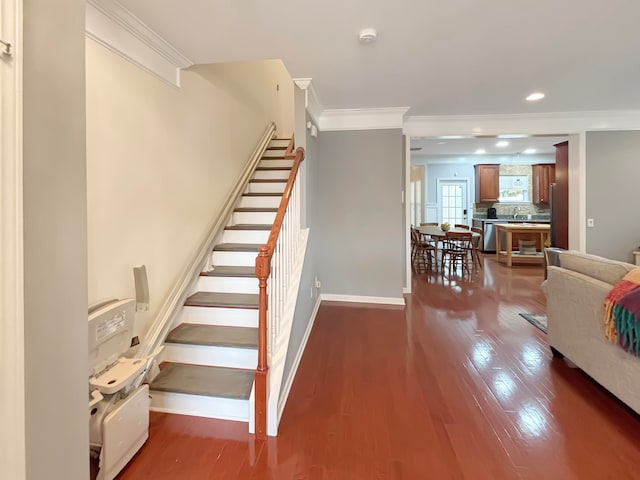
(603, 269)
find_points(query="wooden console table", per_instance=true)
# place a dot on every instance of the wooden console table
(505, 253)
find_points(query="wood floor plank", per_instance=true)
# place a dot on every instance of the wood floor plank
(455, 385)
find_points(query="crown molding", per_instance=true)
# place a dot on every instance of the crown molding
(532, 124)
(362, 119)
(311, 101)
(116, 28)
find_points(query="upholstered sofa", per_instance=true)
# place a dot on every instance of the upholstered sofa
(576, 290)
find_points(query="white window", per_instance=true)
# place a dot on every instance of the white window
(514, 189)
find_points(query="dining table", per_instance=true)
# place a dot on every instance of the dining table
(435, 232)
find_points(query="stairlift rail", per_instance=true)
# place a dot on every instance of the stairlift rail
(176, 298)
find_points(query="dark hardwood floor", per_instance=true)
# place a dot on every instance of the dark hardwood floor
(456, 385)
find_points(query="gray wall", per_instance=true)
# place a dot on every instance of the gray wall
(358, 213)
(447, 170)
(55, 245)
(306, 302)
(613, 170)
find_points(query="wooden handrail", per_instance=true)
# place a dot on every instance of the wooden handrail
(263, 269)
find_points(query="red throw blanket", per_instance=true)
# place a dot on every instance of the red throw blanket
(622, 313)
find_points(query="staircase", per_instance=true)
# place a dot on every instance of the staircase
(211, 354)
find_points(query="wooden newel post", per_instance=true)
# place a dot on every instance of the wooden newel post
(263, 265)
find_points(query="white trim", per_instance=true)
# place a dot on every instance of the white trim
(406, 291)
(330, 297)
(116, 28)
(532, 123)
(578, 191)
(311, 101)
(407, 214)
(288, 383)
(12, 373)
(362, 119)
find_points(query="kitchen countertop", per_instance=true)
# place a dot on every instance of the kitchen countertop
(523, 225)
(534, 218)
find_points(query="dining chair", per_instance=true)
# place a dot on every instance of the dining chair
(429, 224)
(456, 250)
(476, 243)
(461, 225)
(422, 253)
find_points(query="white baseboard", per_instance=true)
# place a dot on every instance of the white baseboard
(282, 401)
(362, 299)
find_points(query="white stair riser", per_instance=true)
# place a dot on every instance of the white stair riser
(276, 187)
(245, 236)
(211, 356)
(282, 142)
(238, 259)
(231, 317)
(282, 162)
(260, 202)
(228, 284)
(200, 406)
(271, 174)
(266, 218)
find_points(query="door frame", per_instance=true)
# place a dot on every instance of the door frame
(465, 203)
(12, 368)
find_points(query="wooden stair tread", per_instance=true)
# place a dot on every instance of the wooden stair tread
(256, 209)
(230, 271)
(272, 169)
(276, 148)
(214, 336)
(207, 381)
(218, 299)
(237, 247)
(249, 226)
(267, 180)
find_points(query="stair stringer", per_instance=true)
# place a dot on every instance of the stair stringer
(276, 368)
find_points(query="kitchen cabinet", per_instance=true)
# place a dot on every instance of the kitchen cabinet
(543, 177)
(487, 183)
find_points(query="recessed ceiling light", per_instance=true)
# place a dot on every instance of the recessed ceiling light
(441, 143)
(529, 151)
(535, 96)
(513, 135)
(481, 151)
(502, 144)
(452, 137)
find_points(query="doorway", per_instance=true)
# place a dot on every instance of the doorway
(453, 200)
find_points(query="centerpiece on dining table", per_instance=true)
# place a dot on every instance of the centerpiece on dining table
(445, 226)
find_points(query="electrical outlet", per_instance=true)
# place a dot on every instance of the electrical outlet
(590, 222)
(318, 284)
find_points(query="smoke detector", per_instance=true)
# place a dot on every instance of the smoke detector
(367, 35)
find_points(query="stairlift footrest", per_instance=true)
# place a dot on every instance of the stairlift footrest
(124, 431)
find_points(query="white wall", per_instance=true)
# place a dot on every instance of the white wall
(55, 266)
(161, 161)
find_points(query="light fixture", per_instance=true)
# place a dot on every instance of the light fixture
(441, 143)
(502, 144)
(513, 135)
(535, 96)
(529, 151)
(367, 35)
(480, 151)
(452, 137)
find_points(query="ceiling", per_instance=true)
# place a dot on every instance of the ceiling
(437, 57)
(468, 146)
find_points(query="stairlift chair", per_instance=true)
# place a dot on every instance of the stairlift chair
(118, 402)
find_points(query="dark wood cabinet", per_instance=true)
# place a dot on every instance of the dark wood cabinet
(543, 177)
(487, 183)
(560, 214)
